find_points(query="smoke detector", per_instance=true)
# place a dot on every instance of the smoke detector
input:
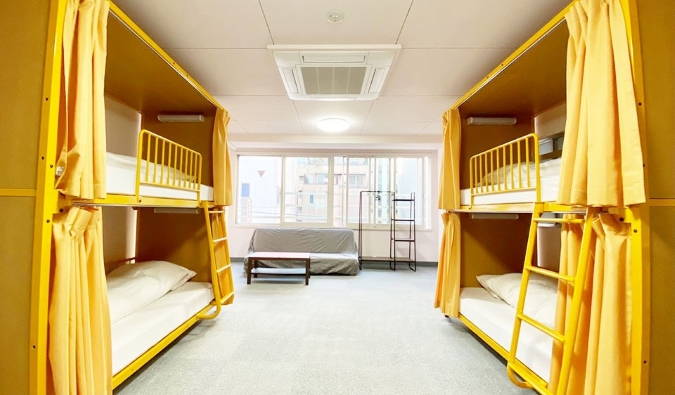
(334, 72)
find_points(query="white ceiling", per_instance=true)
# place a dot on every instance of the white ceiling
(447, 46)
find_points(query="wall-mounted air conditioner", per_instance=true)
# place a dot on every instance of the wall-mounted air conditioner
(334, 72)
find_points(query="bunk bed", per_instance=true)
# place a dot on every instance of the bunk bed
(497, 191)
(90, 332)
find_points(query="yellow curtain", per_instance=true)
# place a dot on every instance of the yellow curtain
(222, 177)
(81, 140)
(601, 361)
(448, 276)
(79, 319)
(602, 158)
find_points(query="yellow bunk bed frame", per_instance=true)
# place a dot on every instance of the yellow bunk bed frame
(535, 73)
(143, 77)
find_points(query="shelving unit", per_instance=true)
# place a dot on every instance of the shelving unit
(402, 230)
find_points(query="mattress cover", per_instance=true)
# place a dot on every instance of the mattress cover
(121, 180)
(136, 333)
(496, 318)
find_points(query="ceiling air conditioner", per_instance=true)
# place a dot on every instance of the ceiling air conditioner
(334, 72)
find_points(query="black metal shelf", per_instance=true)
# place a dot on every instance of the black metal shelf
(405, 235)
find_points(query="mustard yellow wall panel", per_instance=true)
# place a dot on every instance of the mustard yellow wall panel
(178, 238)
(16, 245)
(194, 135)
(657, 35)
(476, 139)
(21, 70)
(492, 246)
(662, 224)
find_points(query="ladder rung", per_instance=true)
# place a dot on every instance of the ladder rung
(222, 269)
(216, 212)
(219, 240)
(554, 334)
(549, 273)
(559, 220)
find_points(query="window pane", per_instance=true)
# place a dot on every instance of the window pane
(259, 187)
(359, 179)
(339, 190)
(382, 183)
(408, 181)
(306, 190)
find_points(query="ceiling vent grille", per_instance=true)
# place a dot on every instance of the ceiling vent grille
(334, 72)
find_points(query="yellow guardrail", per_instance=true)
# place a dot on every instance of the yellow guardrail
(167, 164)
(513, 166)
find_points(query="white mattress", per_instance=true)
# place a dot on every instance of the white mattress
(136, 333)
(121, 180)
(549, 193)
(496, 319)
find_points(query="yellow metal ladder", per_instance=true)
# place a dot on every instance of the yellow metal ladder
(219, 251)
(514, 366)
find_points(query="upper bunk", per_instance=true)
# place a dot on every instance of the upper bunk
(505, 164)
(172, 165)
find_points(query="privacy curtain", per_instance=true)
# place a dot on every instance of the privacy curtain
(601, 166)
(602, 158)
(448, 276)
(81, 138)
(601, 362)
(79, 319)
(222, 177)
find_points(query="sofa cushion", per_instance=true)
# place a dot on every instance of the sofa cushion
(333, 250)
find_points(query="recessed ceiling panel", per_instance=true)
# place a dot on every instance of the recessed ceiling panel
(476, 23)
(201, 24)
(230, 72)
(259, 108)
(365, 22)
(389, 109)
(440, 72)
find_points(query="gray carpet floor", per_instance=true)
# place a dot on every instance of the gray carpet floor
(373, 333)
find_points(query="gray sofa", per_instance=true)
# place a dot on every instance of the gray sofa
(331, 250)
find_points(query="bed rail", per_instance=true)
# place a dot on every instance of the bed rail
(167, 164)
(513, 166)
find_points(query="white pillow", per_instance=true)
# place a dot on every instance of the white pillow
(541, 298)
(483, 280)
(134, 286)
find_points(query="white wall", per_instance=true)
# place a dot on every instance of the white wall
(375, 242)
(119, 223)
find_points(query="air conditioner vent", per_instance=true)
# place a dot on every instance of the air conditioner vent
(333, 80)
(334, 72)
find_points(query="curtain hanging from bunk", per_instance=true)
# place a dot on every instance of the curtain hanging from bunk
(602, 158)
(222, 177)
(448, 276)
(81, 141)
(601, 361)
(79, 344)
(80, 357)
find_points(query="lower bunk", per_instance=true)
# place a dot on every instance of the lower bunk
(151, 304)
(490, 313)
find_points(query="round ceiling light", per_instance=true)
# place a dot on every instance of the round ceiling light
(333, 125)
(335, 16)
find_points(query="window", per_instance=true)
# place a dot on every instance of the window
(259, 186)
(300, 191)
